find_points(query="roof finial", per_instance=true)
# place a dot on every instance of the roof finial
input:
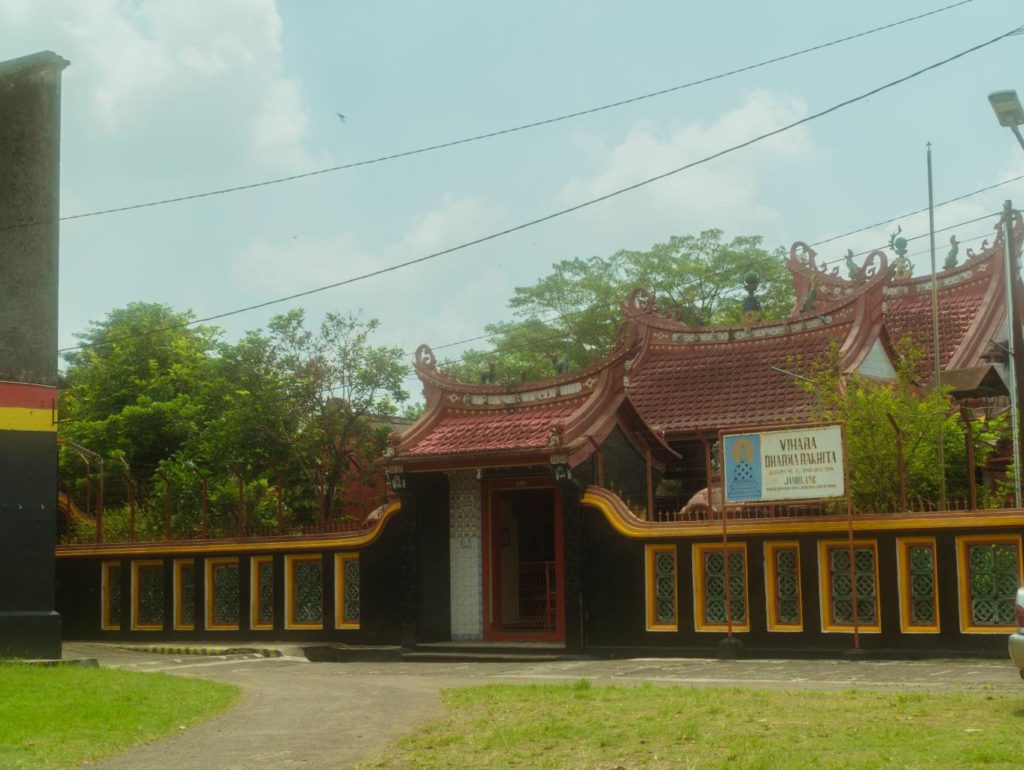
(901, 265)
(751, 304)
(950, 262)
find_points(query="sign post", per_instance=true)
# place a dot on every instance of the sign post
(786, 464)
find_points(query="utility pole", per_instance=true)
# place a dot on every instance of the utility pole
(935, 333)
(1013, 292)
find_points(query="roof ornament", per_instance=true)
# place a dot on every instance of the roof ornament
(804, 254)
(971, 254)
(901, 265)
(801, 252)
(851, 267)
(950, 262)
(489, 375)
(425, 358)
(811, 298)
(641, 299)
(561, 363)
(751, 304)
(555, 437)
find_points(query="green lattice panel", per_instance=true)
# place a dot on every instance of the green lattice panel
(114, 596)
(922, 585)
(225, 594)
(151, 596)
(787, 586)
(308, 598)
(350, 611)
(665, 587)
(714, 588)
(266, 594)
(843, 588)
(188, 594)
(993, 581)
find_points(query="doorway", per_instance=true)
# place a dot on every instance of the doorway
(523, 595)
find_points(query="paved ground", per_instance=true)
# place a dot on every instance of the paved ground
(326, 715)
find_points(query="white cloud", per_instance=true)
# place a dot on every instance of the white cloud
(423, 302)
(984, 208)
(723, 192)
(180, 85)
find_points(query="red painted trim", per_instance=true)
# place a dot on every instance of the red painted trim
(25, 396)
(492, 560)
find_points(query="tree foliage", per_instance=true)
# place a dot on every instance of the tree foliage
(299, 415)
(866, 406)
(569, 317)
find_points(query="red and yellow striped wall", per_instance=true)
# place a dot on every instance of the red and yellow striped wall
(25, 407)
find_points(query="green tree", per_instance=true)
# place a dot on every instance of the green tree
(301, 416)
(569, 317)
(131, 386)
(865, 406)
(307, 406)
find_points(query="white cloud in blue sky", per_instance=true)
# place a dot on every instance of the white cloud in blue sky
(170, 97)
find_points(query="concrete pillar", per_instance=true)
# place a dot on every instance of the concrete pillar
(29, 234)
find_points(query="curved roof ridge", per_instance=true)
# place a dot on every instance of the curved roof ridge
(986, 252)
(641, 306)
(425, 365)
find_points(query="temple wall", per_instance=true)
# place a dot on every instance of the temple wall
(465, 549)
(943, 589)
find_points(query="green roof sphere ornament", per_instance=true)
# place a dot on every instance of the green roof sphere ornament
(751, 304)
(901, 265)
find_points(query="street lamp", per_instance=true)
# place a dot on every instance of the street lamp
(1008, 111)
(1010, 114)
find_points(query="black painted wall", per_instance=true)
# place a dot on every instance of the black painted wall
(615, 600)
(433, 558)
(78, 583)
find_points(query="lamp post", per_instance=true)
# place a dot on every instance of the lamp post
(1010, 114)
(1009, 111)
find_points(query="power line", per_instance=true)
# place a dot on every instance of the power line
(919, 211)
(587, 203)
(563, 334)
(503, 131)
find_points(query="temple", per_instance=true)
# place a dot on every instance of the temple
(575, 513)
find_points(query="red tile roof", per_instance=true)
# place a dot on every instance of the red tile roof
(561, 420)
(459, 431)
(720, 385)
(913, 315)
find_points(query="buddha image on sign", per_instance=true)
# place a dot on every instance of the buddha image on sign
(743, 450)
(743, 455)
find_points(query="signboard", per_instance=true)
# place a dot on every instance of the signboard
(801, 463)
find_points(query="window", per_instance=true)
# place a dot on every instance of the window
(147, 595)
(261, 593)
(221, 595)
(845, 590)
(184, 595)
(303, 592)
(918, 576)
(346, 590)
(661, 583)
(989, 572)
(110, 596)
(710, 587)
(782, 584)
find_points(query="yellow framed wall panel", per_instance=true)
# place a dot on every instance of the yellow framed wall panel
(772, 550)
(907, 574)
(652, 554)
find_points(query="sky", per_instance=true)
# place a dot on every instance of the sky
(166, 98)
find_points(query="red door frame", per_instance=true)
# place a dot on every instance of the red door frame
(492, 582)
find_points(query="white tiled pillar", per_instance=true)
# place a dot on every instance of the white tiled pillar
(464, 547)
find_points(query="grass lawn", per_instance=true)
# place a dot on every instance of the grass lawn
(62, 716)
(579, 726)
